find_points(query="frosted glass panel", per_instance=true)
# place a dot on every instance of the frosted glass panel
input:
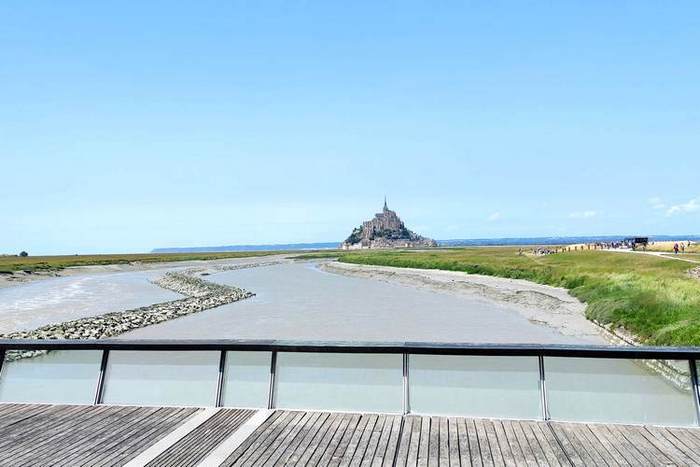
(162, 378)
(506, 387)
(620, 391)
(348, 382)
(59, 377)
(247, 379)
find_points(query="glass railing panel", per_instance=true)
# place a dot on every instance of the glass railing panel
(347, 382)
(161, 378)
(56, 377)
(475, 386)
(247, 379)
(619, 391)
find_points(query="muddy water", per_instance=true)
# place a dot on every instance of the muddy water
(299, 301)
(54, 300)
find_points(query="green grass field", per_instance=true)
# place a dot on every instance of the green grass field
(652, 297)
(55, 263)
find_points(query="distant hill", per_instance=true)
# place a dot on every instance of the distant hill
(443, 243)
(275, 247)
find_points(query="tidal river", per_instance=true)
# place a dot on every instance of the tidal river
(300, 301)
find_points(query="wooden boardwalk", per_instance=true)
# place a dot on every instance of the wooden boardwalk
(55, 435)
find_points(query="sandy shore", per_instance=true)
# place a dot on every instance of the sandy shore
(19, 277)
(540, 304)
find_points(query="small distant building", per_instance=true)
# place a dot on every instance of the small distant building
(385, 230)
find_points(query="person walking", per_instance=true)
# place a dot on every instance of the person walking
(675, 248)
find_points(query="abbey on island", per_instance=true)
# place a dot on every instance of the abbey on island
(386, 230)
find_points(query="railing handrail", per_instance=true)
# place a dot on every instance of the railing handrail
(545, 350)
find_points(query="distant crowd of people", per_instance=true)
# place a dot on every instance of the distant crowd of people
(680, 248)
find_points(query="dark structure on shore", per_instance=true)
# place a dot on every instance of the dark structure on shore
(386, 230)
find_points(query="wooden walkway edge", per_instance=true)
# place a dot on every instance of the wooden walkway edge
(40, 435)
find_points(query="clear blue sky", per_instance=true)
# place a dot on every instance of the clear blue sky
(126, 126)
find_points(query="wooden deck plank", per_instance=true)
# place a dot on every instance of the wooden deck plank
(345, 460)
(104, 435)
(55, 440)
(41, 432)
(348, 422)
(552, 451)
(667, 448)
(373, 444)
(391, 444)
(267, 444)
(494, 444)
(484, 446)
(97, 444)
(512, 440)
(615, 451)
(622, 444)
(131, 444)
(324, 442)
(348, 435)
(453, 441)
(424, 445)
(245, 447)
(414, 448)
(533, 442)
(364, 441)
(259, 448)
(506, 452)
(286, 439)
(643, 445)
(681, 438)
(92, 436)
(567, 446)
(576, 434)
(206, 437)
(404, 443)
(434, 442)
(475, 456)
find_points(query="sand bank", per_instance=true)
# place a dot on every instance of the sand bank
(540, 304)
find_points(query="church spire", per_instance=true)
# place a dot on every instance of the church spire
(386, 208)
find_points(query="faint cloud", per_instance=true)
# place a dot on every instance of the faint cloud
(495, 217)
(691, 206)
(657, 203)
(583, 214)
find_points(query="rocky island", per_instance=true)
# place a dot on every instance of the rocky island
(386, 230)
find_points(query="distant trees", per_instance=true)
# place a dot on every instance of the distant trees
(23, 254)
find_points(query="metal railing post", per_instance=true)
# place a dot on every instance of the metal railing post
(406, 406)
(99, 390)
(2, 360)
(695, 384)
(543, 390)
(220, 382)
(272, 388)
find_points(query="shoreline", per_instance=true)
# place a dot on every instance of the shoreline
(20, 278)
(540, 304)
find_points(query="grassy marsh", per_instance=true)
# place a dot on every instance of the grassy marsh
(652, 297)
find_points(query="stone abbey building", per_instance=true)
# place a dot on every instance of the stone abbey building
(386, 230)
